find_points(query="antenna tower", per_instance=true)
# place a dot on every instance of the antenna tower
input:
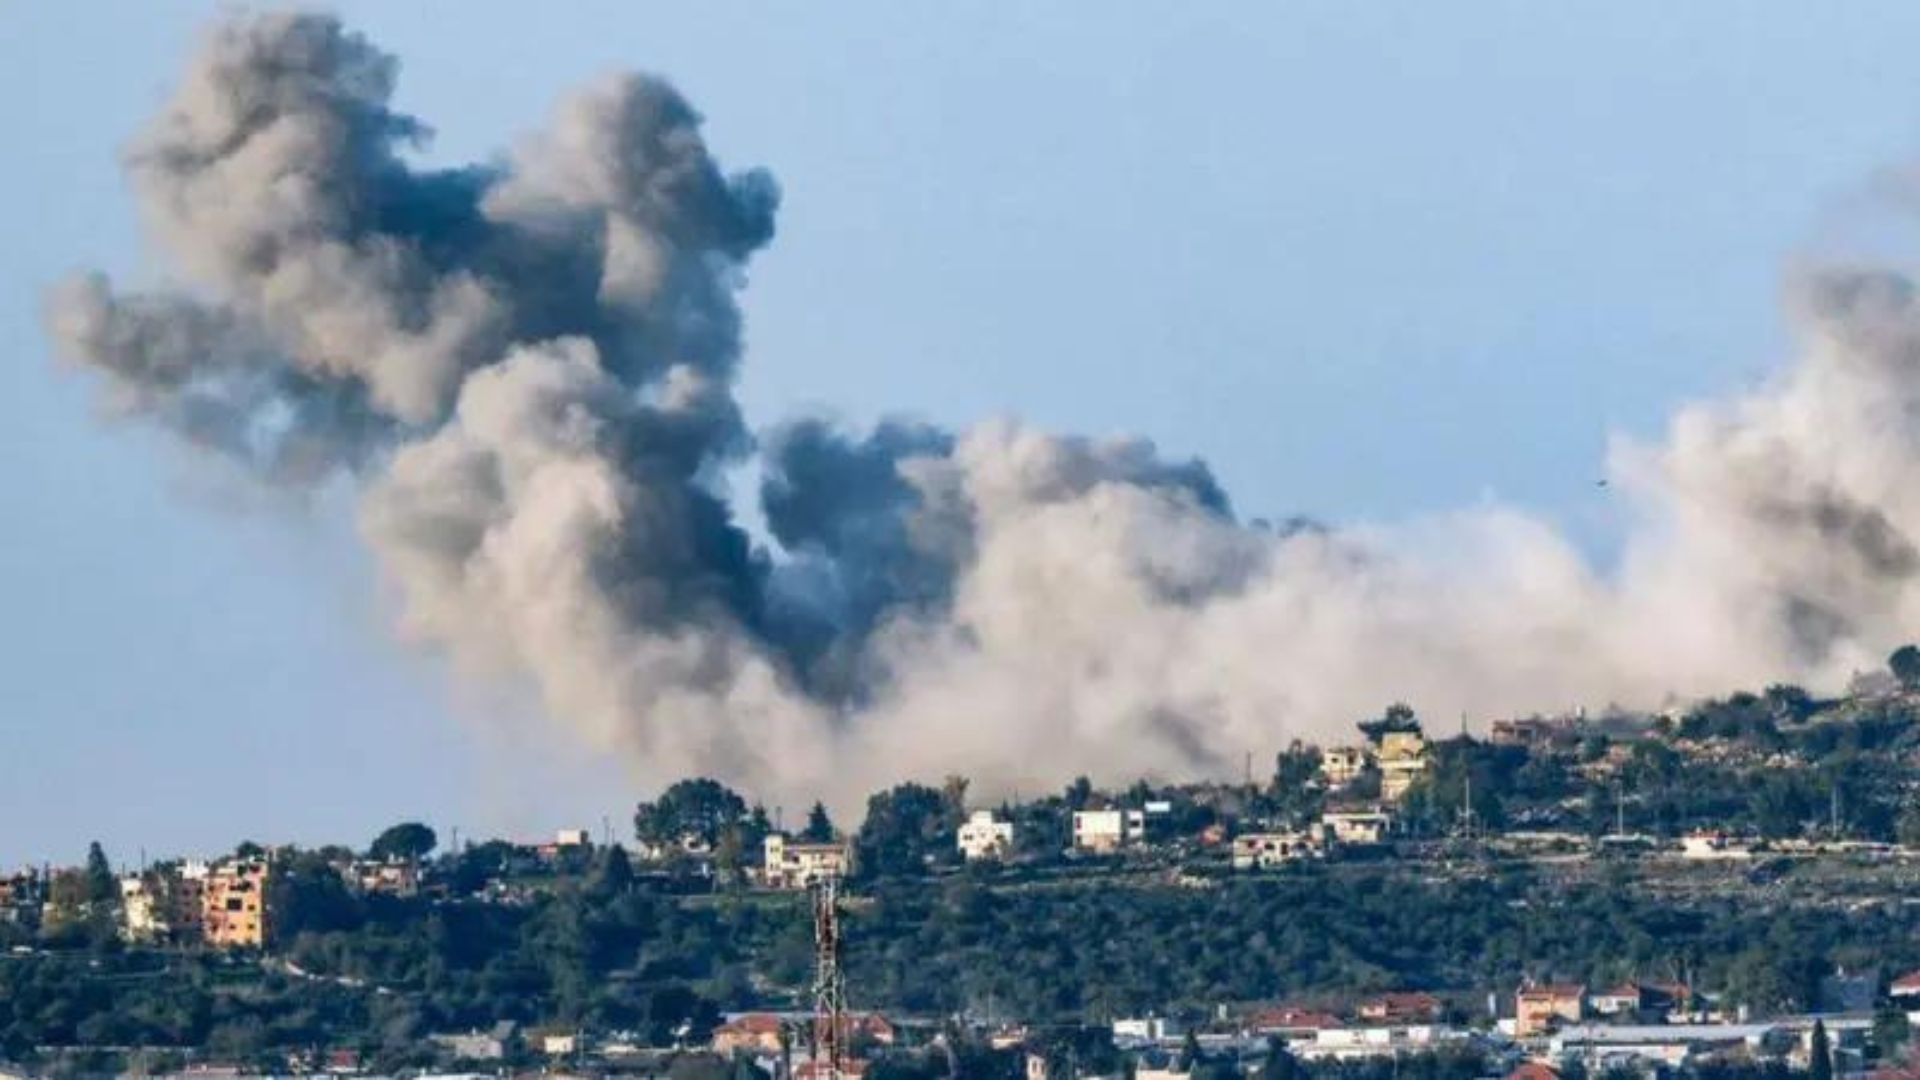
(829, 982)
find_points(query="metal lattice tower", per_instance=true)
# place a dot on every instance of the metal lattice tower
(829, 982)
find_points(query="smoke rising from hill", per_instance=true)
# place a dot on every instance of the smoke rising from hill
(527, 368)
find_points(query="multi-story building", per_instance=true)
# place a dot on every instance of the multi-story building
(1539, 1008)
(22, 896)
(234, 908)
(794, 865)
(985, 836)
(1403, 758)
(143, 909)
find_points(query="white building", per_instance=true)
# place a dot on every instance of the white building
(1341, 765)
(1358, 826)
(1265, 850)
(984, 836)
(793, 865)
(1360, 1043)
(142, 913)
(1107, 830)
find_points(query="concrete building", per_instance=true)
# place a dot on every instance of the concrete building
(1360, 827)
(234, 908)
(984, 836)
(790, 864)
(1538, 1009)
(1342, 765)
(143, 910)
(1103, 831)
(1403, 759)
(1266, 850)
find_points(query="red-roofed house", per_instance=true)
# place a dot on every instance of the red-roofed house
(1534, 1070)
(752, 1032)
(1402, 1008)
(1289, 1021)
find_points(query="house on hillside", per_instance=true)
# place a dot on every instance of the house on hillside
(1342, 765)
(985, 836)
(1540, 1008)
(1104, 831)
(1266, 850)
(1396, 1008)
(1403, 760)
(1358, 826)
(790, 864)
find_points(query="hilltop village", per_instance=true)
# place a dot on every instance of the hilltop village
(1716, 889)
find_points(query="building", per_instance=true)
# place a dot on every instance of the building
(1342, 765)
(392, 877)
(1603, 1046)
(1369, 826)
(1103, 831)
(1403, 758)
(984, 836)
(757, 1033)
(1147, 1030)
(1714, 845)
(793, 865)
(143, 911)
(489, 1045)
(1290, 1022)
(1361, 1043)
(234, 906)
(1402, 1008)
(22, 896)
(1540, 1008)
(1266, 850)
(1641, 1001)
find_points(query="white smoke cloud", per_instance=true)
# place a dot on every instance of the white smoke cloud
(529, 369)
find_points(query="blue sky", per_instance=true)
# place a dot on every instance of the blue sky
(1368, 263)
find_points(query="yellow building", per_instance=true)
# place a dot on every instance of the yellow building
(1341, 765)
(1403, 757)
(793, 865)
(234, 911)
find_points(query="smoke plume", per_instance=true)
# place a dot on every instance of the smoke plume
(527, 369)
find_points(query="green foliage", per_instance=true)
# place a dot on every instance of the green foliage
(819, 828)
(700, 810)
(1905, 666)
(906, 830)
(1399, 717)
(408, 841)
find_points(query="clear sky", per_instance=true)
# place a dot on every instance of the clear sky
(1369, 261)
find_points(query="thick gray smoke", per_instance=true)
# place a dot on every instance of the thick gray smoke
(527, 367)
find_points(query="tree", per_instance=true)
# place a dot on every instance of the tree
(614, 875)
(408, 841)
(100, 885)
(1819, 1054)
(1905, 665)
(1278, 1064)
(905, 829)
(1399, 717)
(1189, 1053)
(697, 810)
(819, 828)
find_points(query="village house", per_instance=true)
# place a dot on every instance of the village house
(1289, 1022)
(1540, 1008)
(1342, 765)
(790, 864)
(143, 912)
(755, 1033)
(22, 896)
(390, 877)
(1403, 759)
(1904, 992)
(1266, 850)
(234, 908)
(1358, 826)
(1646, 1002)
(1103, 831)
(1402, 1008)
(984, 836)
